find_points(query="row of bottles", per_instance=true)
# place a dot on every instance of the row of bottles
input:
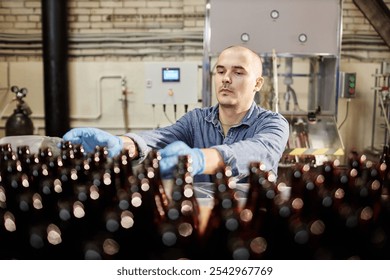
(89, 206)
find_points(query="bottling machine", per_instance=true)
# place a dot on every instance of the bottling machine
(299, 43)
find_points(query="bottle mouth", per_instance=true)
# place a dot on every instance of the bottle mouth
(34, 142)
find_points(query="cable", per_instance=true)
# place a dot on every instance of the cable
(346, 113)
(174, 111)
(165, 113)
(154, 115)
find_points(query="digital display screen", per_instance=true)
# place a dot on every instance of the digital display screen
(170, 75)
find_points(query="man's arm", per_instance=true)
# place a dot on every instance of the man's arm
(130, 145)
(266, 144)
(213, 160)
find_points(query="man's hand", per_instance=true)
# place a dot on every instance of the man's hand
(170, 154)
(89, 138)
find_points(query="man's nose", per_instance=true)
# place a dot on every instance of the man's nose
(226, 79)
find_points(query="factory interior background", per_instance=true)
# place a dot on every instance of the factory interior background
(130, 65)
(115, 50)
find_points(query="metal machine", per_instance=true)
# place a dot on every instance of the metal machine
(299, 42)
(380, 134)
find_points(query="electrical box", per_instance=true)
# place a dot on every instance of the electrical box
(171, 82)
(347, 85)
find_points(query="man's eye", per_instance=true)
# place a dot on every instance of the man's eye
(239, 73)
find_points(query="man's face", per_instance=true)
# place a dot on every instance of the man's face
(236, 78)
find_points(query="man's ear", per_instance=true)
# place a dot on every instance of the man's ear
(259, 83)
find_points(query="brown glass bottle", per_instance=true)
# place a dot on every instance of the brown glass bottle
(14, 214)
(145, 205)
(180, 230)
(152, 171)
(221, 234)
(256, 215)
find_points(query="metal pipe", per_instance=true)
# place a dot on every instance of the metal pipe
(275, 81)
(206, 85)
(123, 98)
(374, 113)
(125, 106)
(55, 56)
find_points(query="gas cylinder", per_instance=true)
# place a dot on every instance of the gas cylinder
(19, 123)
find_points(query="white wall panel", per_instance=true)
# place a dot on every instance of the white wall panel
(319, 20)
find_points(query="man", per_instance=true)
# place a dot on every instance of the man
(234, 132)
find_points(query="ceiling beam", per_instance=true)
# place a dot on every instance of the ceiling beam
(378, 14)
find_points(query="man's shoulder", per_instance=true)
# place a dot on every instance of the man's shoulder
(202, 111)
(266, 114)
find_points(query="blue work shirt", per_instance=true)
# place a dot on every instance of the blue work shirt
(261, 136)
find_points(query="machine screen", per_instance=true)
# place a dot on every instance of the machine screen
(170, 75)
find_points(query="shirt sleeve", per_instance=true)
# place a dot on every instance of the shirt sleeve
(266, 146)
(160, 137)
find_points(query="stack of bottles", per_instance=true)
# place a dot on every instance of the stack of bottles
(89, 206)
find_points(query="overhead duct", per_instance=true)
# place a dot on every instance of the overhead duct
(55, 56)
(378, 14)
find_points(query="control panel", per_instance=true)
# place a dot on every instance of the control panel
(347, 85)
(171, 82)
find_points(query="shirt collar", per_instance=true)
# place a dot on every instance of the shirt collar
(247, 120)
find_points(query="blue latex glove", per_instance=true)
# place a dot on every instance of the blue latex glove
(170, 154)
(91, 137)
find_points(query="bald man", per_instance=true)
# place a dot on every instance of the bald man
(234, 132)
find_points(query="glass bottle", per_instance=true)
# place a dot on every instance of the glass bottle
(256, 215)
(180, 230)
(221, 234)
